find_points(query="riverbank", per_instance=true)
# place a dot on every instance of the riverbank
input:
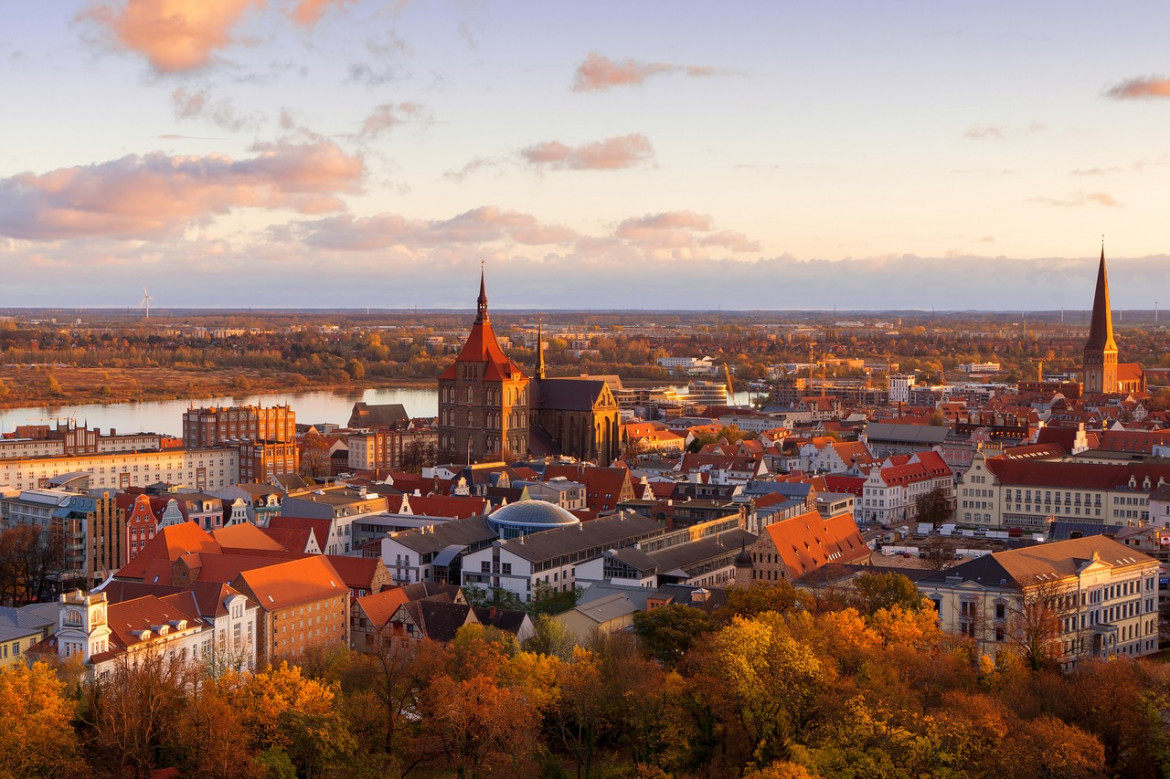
(71, 386)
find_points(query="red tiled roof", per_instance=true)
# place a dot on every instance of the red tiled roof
(481, 346)
(296, 581)
(380, 606)
(169, 544)
(358, 572)
(290, 538)
(245, 536)
(457, 506)
(1089, 476)
(807, 542)
(319, 527)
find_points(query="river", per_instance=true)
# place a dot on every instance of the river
(166, 416)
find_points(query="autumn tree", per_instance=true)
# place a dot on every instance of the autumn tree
(283, 711)
(36, 728)
(315, 456)
(876, 591)
(762, 681)
(1034, 624)
(761, 597)
(134, 709)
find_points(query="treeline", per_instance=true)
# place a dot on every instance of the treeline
(774, 684)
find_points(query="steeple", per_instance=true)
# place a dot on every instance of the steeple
(1101, 325)
(1099, 371)
(539, 351)
(481, 309)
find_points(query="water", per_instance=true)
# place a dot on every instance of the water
(166, 416)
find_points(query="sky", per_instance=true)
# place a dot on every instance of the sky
(638, 154)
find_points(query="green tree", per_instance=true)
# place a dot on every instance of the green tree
(668, 632)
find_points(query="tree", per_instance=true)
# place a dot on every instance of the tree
(884, 590)
(315, 455)
(762, 681)
(1034, 624)
(667, 632)
(29, 557)
(391, 673)
(135, 710)
(283, 710)
(761, 597)
(551, 637)
(37, 737)
(355, 369)
(935, 507)
(938, 553)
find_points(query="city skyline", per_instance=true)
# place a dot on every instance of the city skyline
(311, 153)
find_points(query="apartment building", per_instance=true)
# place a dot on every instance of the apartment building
(1084, 598)
(999, 492)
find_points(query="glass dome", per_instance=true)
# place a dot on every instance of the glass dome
(529, 516)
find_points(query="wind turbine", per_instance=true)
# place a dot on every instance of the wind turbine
(146, 301)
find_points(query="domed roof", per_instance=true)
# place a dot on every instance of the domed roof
(532, 513)
(743, 559)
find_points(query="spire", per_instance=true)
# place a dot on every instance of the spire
(481, 309)
(539, 351)
(1101, 324)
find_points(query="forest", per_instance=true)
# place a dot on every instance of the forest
(109, 358)
(774, 683)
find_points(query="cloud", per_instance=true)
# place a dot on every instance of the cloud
(1140, 89)
(998, 132)
(388, 116)
(680, 235)
(173, 35)
(158, 195)
(476, 165)
(484, 225)
(626, 151)
(183, 35)
(1079, 199)
(599, 73)
(198, 103)
(308, 12)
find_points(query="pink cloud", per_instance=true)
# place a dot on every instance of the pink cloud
(158, 195)
(651, 225)
(484, 225)
(182, 35)
(174, 35)
(388, 116)
(1079, 199)
(624, 151)
(599, 73)
(308, 12)
(680, 235)
(1141, 88)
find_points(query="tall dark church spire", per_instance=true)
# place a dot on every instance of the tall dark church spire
(1099, 372)
(1101, 325)
(481, 311)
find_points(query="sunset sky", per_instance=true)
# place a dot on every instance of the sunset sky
(632, 154)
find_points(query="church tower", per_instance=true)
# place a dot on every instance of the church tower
(483, 398)
(1099, 371)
